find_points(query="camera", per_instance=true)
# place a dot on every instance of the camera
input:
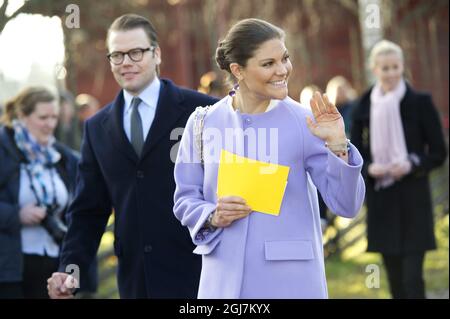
(53, 224)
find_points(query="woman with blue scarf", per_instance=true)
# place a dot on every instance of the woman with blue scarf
(37, 179)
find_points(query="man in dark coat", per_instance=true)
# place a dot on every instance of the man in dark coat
(127, 162)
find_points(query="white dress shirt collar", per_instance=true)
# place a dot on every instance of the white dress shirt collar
(149, 95)
(146, 109)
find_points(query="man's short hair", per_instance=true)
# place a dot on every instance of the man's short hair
(130, 21)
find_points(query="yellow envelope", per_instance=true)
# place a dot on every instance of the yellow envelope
(261, 184)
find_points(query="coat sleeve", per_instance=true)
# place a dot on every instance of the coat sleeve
(190, 208)
(340, 184)
(9, 216)
(88, 213)
(9, 211)
(431, 127)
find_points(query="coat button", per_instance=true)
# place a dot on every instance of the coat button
(140, 174)
(147, 249)
(248, 121)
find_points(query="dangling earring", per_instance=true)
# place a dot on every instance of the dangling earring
(233, 90)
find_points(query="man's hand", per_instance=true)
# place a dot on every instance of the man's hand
(61, 286)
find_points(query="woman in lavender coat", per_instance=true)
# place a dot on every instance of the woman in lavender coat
(248, 254)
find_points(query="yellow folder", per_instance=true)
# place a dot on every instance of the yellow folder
(261, 184)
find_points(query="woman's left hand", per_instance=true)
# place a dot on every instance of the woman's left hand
(329, 125)
(399, 170)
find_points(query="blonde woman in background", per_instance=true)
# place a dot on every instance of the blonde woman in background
(398, 132)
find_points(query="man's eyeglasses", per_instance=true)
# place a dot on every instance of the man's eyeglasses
(135, 55)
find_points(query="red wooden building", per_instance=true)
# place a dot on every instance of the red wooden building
(323, 37)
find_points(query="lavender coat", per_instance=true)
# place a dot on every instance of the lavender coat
(264, 256)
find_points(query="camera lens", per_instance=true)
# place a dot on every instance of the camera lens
(54, 226)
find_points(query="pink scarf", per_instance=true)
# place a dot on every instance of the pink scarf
(387, 140)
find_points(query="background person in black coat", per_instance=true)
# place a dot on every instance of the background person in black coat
(127, 162)
(399, 134)
(35, 172)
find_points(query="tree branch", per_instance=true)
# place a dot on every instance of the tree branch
(3, 19)
(6, 19)
(3, 8)
(351, 6)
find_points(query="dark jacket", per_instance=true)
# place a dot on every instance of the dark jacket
(154, 250)
(400, 217)
(11, 264)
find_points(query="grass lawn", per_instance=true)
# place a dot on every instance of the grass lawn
(347, 275)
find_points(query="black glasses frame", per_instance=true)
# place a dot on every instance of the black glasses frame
(152, 49)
